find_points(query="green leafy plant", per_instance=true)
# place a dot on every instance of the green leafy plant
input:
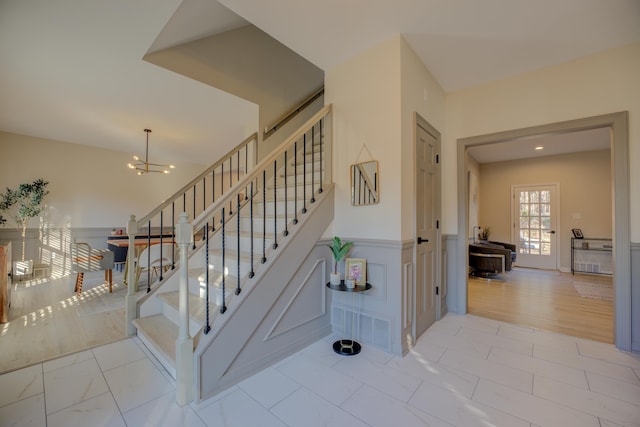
(339, 251)
(22, 204)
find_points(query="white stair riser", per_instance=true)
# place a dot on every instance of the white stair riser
(168, 364)
(231, 238)
(173, 314)
(278, 207)
(293, 192)
(231, 241)
(259, 224)
(300, 173)
(231, 264)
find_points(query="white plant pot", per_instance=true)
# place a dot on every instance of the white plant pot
(350, 283)
(334, 279)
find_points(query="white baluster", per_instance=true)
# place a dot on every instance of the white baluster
(184, 343)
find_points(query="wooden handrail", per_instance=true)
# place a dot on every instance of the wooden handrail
(269, 130)
(201, 219)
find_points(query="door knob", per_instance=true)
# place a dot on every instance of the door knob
(421, 240)
(552, 232)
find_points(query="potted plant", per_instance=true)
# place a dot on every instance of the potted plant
(339, 250)
(22, 204)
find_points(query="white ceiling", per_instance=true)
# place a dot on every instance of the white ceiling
(72, 70)
(462, 42)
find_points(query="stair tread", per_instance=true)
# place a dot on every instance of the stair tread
(197, 305)
(161, 331)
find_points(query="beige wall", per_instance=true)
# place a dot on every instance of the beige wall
(602, 83)
(89, 187)
(365, 93)
(421, 94)
(374, 96)
(584, 199)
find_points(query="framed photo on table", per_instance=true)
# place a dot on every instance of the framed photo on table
(356, 270)
(577, 233)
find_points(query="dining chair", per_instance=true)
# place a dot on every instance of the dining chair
(156, 258)
(85, 259)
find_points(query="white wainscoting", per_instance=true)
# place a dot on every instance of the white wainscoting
(383, 316)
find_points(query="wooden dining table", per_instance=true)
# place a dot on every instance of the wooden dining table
(140, 242)
(139, 245)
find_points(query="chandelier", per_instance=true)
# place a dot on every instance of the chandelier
(143, 167)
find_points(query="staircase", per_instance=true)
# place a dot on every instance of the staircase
(251, 238)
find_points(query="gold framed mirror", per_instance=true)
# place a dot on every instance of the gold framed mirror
(364, 184)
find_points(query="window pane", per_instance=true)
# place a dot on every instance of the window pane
(546, 223)
(545, 196)
(545, 249)
(534, 197)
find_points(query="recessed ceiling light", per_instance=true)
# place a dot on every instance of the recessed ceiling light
(539, 148)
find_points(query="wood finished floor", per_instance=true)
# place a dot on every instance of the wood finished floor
(48, 320)
(545, 300)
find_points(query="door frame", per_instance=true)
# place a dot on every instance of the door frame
(515, 234)
(619, 145)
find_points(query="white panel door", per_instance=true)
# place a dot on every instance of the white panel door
(427, 229)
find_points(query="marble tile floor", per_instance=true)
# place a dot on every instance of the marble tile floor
(48, 320)
(464, 371)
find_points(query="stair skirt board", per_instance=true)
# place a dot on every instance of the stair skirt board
(158, 310)
(244, 341)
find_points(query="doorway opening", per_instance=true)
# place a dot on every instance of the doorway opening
(617, 125)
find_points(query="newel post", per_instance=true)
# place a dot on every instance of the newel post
(184, 343)
(131, 302)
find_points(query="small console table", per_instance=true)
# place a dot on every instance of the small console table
(591, 255)
(348, 347)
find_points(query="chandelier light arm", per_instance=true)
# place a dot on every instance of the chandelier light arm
(144, 167)
(146, 154)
